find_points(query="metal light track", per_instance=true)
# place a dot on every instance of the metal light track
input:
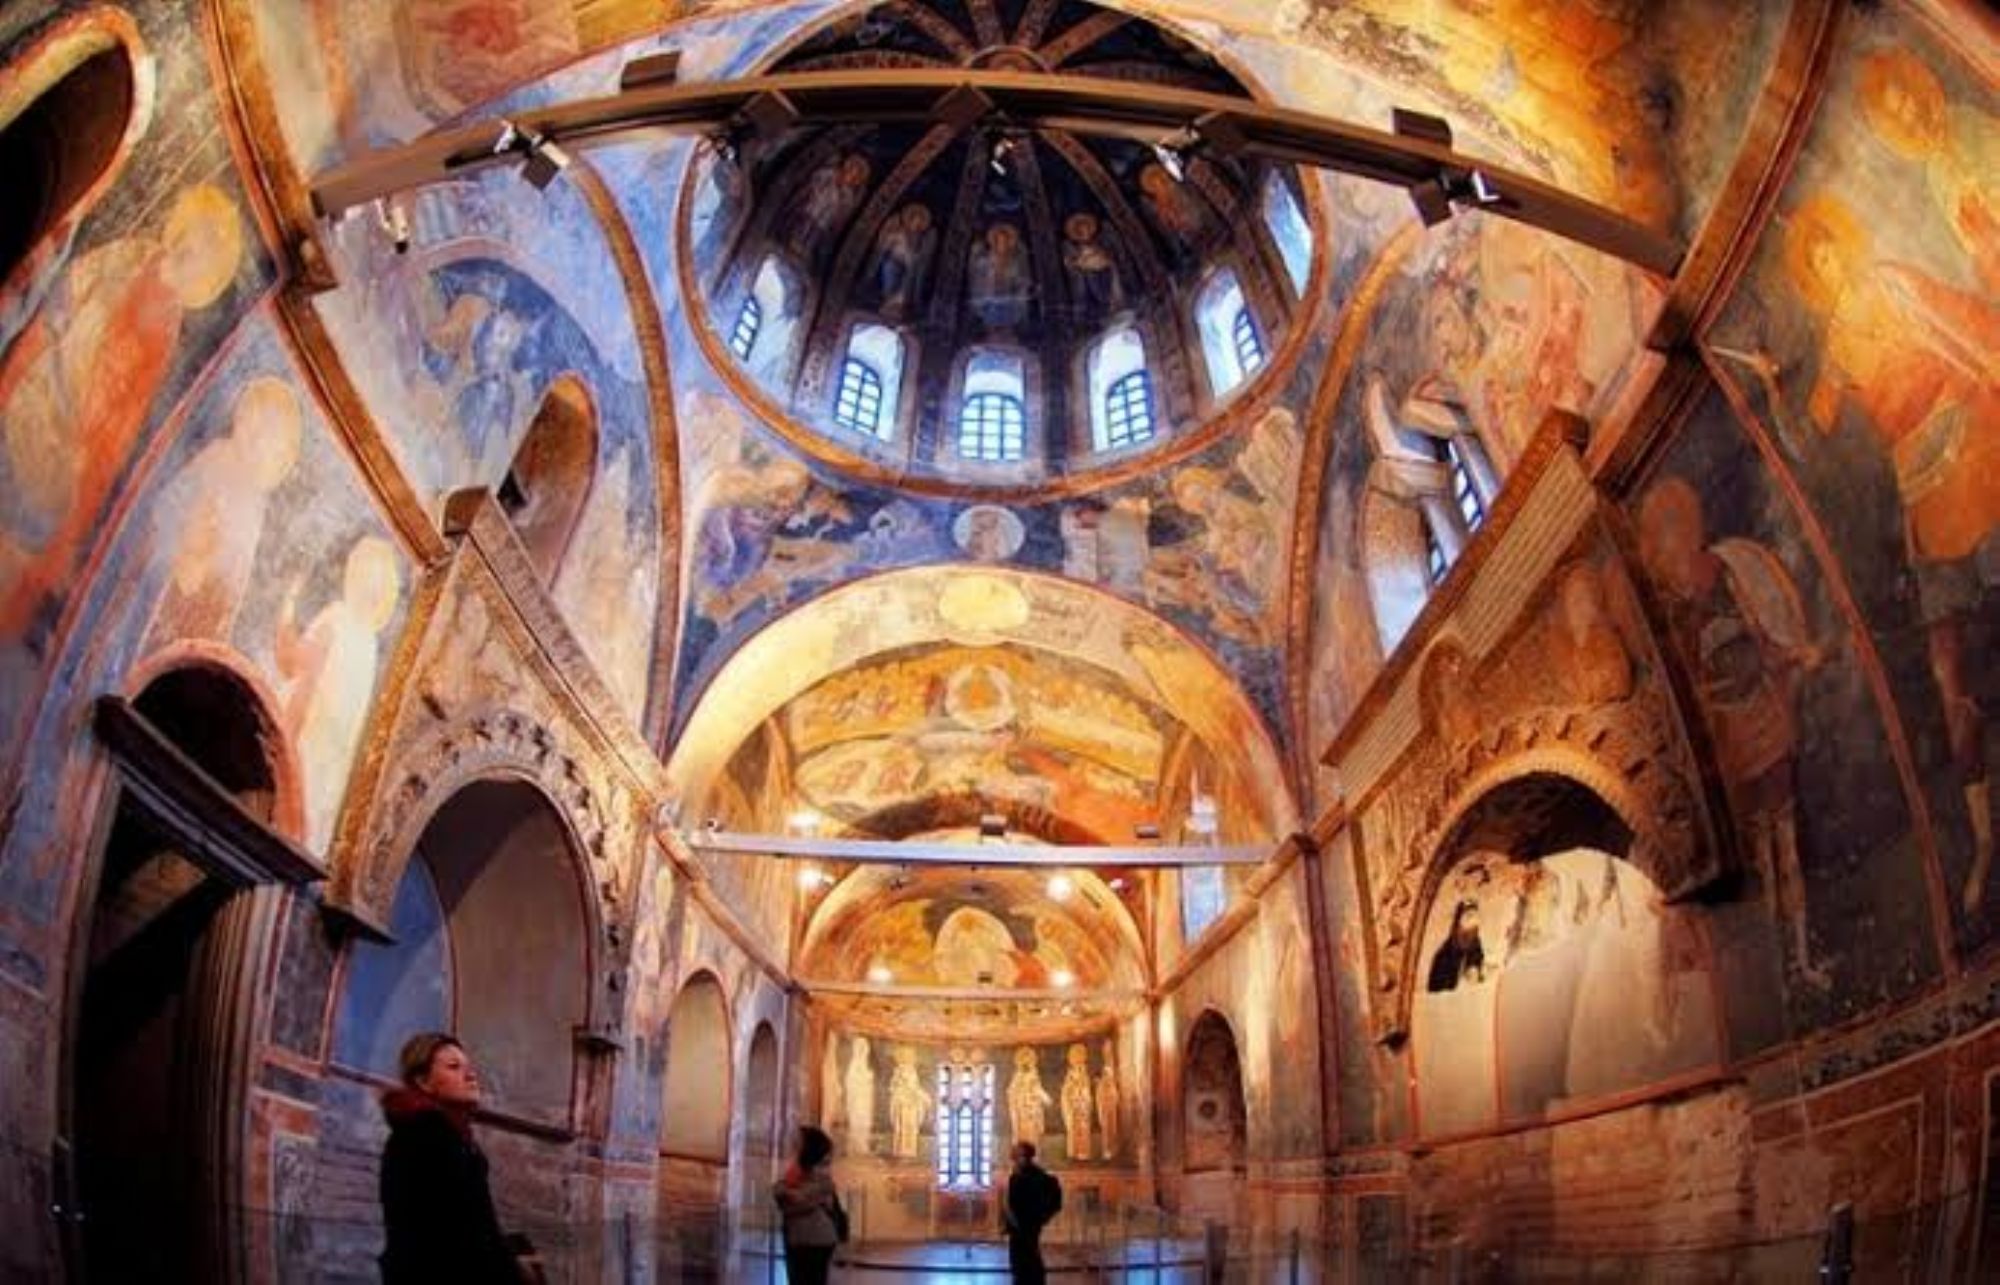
(1096, 996)
(905, 853)
(1087, 105)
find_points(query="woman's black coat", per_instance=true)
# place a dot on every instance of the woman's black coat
(436, 1206)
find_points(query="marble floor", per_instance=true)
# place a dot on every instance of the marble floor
(978, 1263)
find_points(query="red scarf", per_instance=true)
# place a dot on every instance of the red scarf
(404, 1105)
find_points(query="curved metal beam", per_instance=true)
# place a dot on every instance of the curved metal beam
(1079, 104)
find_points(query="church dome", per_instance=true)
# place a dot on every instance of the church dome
(982, 306)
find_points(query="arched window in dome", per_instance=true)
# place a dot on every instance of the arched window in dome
(1121, 391)
(1229, 340)
(749, 320)
(1287, 223)
(993, 417)
(766, 323)
(871, 382)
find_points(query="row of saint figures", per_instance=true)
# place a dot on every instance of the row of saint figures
(1085, 1107)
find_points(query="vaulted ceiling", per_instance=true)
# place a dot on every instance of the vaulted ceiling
(891, 634)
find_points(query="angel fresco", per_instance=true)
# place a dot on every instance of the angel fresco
(85, 369)
(214, 533)
(1739, 621)
(329, 669)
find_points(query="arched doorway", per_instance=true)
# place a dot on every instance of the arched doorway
(757, 1163)
(1215, 1125)
(490, 942)
(1552, 972)
(695, 1111)
(165, 987)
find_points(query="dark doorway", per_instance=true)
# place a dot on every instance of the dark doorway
(156, 1037)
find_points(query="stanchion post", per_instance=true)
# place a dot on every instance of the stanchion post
(1836, 1259)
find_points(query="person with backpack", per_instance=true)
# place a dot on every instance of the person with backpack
(1034, 1198)
(814, 1222)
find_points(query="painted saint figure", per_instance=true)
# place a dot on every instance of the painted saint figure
(832, 194)
(1739, 622)
(1109, 1127)
(860, 1096)
(1076, 1103)
(907, 244)
(1094, 288)
(330, 667)
(908, 1104)
(1027, 1100)
(215, 533)
(997, 278)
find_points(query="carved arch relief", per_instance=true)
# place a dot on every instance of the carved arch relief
(1626, 756)
(498, 744)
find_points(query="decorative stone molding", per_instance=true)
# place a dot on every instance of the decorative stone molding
(487, 744)
(1629, 754)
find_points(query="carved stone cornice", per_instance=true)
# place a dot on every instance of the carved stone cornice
(1630, 753)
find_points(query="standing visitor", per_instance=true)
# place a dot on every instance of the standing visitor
(814, 1222)
(1034, 1198)
(436, 1206)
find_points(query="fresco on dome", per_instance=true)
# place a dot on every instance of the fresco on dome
(455, 355)
(1552, 982)
(253, 536)
(1861, 340)
(1204, 545)
(104, 327)
(1004, 932)
(1608, 98)
(1824, 828)
(1005, 723)
(860, 623)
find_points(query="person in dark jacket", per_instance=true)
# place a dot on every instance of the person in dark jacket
(436, 1206)
(814, 1222)
(1034, 1198)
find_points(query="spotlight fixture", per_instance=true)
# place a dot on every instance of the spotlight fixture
(394, 220)
(992, 825)
(1063, 978)
(1003, 153)
(1061, 886)
(812, 878)
(543, 160)
(880, 974)
(1174, 151)
(803, 822)
(1117, 883)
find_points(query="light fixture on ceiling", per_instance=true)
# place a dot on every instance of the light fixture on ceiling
(1175, 150)
(1117, 883)
(879, 974)
(1061, 886)
(804, 823)
(812, 878)
(543, 161)
(992, 825)
(1063, 979)
(393, 219)
(1003, 152)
